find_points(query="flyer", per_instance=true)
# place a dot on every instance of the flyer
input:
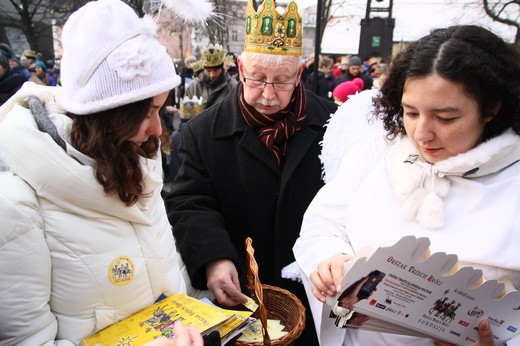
(406, 290)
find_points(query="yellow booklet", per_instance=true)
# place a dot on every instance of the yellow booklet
(236, 325)
(157, 321)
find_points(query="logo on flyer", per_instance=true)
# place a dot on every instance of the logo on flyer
(512, 329)
(463, 323)
(475, 312)
(380, 306)
(495, 321)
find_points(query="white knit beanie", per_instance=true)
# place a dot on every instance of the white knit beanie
(112, 58)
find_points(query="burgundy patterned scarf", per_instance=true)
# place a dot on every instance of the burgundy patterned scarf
(275, 130)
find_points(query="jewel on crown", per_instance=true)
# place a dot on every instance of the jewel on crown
(272, 32)
(213, 56)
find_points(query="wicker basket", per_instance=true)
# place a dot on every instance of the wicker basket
(273, 303)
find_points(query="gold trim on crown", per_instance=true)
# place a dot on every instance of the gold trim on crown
(190, 108)
(271, 32)
(213, 56)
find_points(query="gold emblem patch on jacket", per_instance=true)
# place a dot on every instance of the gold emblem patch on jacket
(121, 271)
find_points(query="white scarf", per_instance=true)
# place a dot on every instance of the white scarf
(421, 186)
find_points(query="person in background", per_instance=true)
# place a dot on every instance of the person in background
(340, 66)
(212, 86)
(17, 67)
(198, 67)
(6, 49)
(215, 83)
(325, 80)
(84, 234)
(55, 70)
(14, 60)
(250, 167)
(370, 62)
(10, 81)
(309, 67)
(40, 75)
(230, 65)
(353, 70)
(379, 75)
(189, 108)
(344, 90)
(28, 57)
(451, 131)
(186, 75)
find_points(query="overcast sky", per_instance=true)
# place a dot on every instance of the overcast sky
(413, 19)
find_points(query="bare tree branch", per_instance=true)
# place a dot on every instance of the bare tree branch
(497, 12)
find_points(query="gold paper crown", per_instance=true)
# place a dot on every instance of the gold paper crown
(229, 59)
(268, 31)
(197, 65)
(212, 57)
(190, 108)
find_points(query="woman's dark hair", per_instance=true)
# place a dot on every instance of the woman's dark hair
(104, 137)
(486, 66)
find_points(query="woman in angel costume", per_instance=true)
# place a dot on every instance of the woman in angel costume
(446, 167)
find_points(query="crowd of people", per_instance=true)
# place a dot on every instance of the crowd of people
(87, 152)
(348, 75)
(16, 69)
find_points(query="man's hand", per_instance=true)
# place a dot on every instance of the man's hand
(222, 280)
(484, 332)
(326, 279)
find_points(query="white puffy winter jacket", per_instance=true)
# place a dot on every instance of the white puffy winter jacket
(73, 260)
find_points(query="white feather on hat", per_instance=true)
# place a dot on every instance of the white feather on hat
(190, 10)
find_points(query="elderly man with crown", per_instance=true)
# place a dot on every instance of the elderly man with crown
(214, 83)
(250, 166)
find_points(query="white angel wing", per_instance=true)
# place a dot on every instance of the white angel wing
(352, 124)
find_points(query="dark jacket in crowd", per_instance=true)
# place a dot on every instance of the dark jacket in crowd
(325, 84)
(368, 82)
(10, 82)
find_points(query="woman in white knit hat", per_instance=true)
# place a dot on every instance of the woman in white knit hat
(84, 237)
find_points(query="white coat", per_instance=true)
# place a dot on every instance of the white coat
(73, 260)
(477, 218)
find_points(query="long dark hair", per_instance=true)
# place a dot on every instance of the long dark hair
(104, 137)
(486, 66)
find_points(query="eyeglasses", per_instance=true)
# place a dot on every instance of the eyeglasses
(260, 84)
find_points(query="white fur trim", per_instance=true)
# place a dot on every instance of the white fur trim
(430, 213)
(292, 272)
(190, 10)
(420, 186)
